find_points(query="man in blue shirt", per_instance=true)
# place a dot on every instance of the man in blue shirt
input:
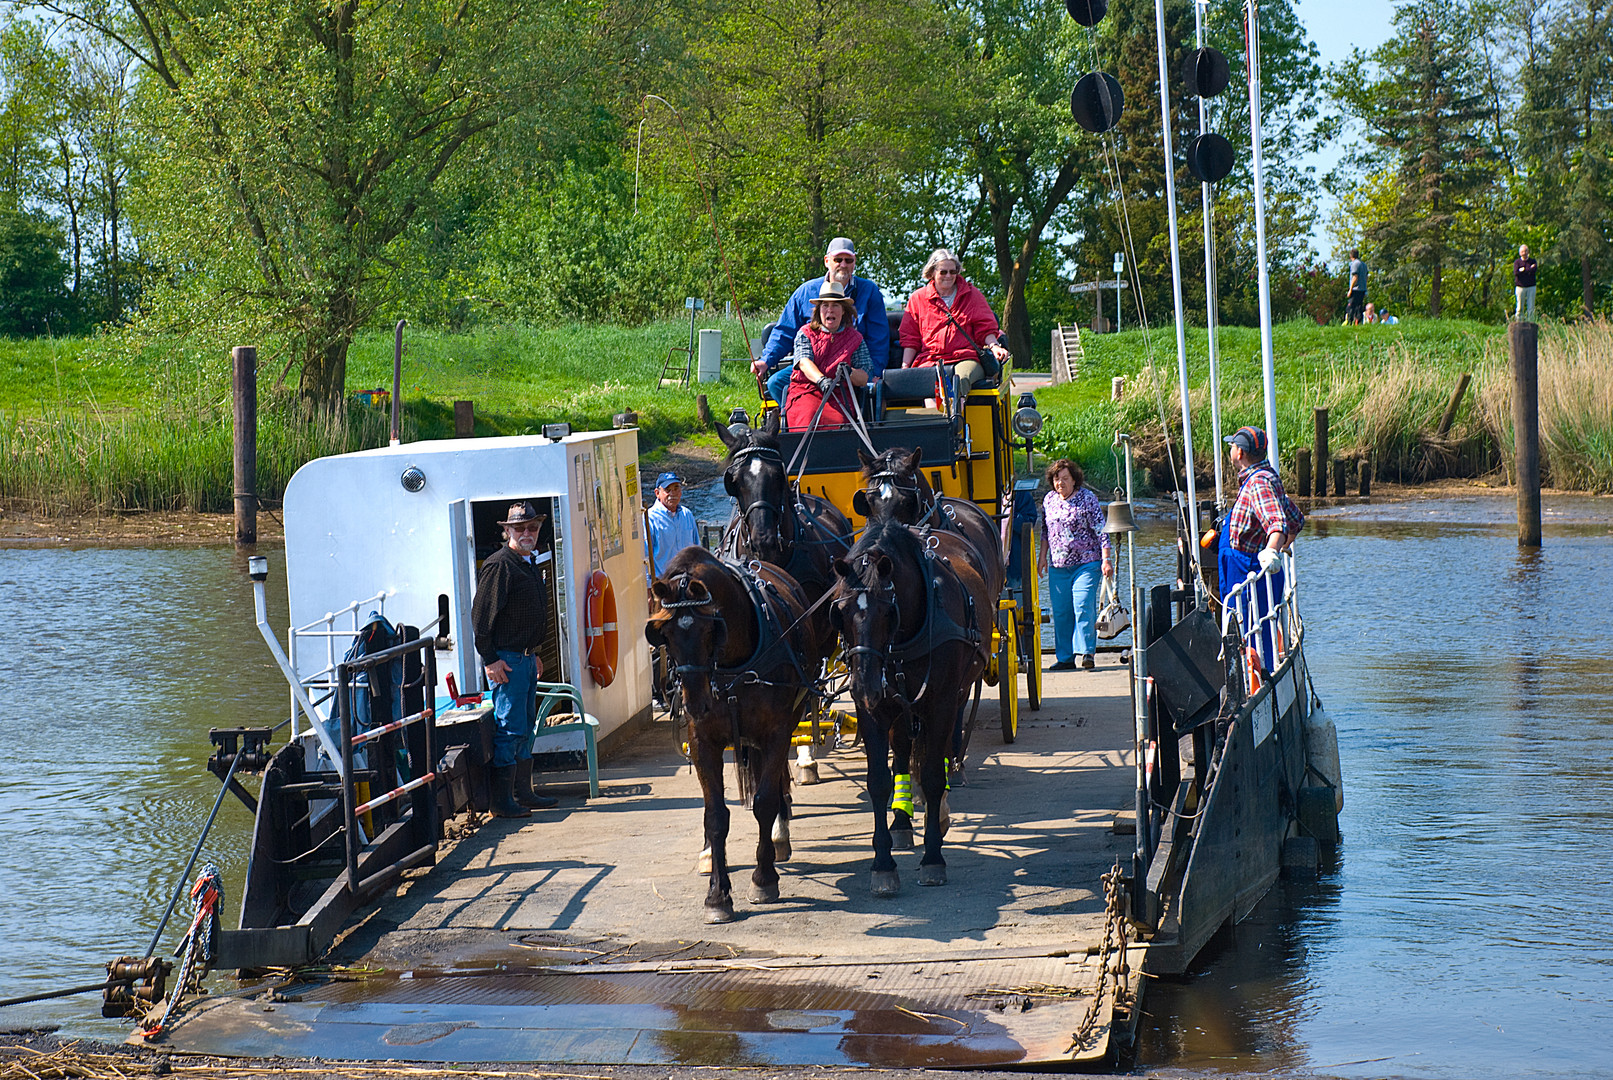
(840, 266)
(671, 525)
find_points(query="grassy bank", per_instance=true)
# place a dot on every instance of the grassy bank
(1386, 389)
(99, 424)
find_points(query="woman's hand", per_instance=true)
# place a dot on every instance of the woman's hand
(1108, 567)
(826, 384)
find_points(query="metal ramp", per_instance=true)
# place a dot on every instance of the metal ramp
(1067, 354)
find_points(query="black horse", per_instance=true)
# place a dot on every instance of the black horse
(915, 615)
(801, 533)
(895, 489)
(745, 660)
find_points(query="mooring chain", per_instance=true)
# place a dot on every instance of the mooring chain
(1115, 927)
(205, 897)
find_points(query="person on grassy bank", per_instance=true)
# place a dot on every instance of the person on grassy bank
(1073, 549)
(1523, 284)
(831, 357)
(1356, 303)
(1259, 528)
(840, 266)
(948, 322)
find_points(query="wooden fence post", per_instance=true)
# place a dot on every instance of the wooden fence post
(1341, 476)
(1321, 451)
(1365, 487)
(1302, 470)
(464, 419)
(244, 384)
(1524, 337)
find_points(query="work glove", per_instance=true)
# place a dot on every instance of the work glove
(826, 384)
(1270, 561)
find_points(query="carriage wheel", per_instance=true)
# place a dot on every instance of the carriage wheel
(1030, 618)
(1008, 677)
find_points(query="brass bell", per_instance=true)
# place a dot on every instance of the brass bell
(1118, 518)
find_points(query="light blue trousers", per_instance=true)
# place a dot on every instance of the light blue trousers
(1072, 593)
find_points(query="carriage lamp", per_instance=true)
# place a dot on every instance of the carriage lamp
(257, 568)
(1027, 421)
(412, 479)
(739, 416)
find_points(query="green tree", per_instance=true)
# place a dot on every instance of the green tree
(1421, 99)
(33, 293)
(303, 137)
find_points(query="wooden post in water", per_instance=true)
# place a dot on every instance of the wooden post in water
(1341, 476)
(1321, 451)
(464, 419)
(1302, 470)
(1366, 473)
(1524, 338)
(244, 385)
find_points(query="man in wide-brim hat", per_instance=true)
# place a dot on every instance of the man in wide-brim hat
(510, 618)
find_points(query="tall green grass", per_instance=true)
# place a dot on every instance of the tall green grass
(1576, 407)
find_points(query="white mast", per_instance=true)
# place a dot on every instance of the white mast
(1176, 293)
(1251, 33)
(1211, 292)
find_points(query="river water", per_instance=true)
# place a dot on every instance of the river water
(1462, 933)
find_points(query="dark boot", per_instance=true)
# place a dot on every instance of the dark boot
(503, 803)
(523, 788)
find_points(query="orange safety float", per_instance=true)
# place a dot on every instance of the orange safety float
(599, 628)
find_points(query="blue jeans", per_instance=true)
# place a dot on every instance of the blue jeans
(515, 710)
(779, 381)
(1072, 593)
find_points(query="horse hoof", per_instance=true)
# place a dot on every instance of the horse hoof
(763, 894)
(887, 883)
(902, 839)
(806, 772)
(723, 914)
(782, 850)
(702, 865)
(933, 874)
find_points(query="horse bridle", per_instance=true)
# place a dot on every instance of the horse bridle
(787, 545)
(895, 479)
(884, 654)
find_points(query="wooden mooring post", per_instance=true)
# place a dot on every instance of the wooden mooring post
(1524, 337)
(1365, 487)
(464, 419)
(1302, 470)
(1321, 451)
(244, 385)
(1341, 476)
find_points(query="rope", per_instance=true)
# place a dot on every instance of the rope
(205, 897)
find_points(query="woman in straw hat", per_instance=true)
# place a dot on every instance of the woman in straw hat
(830, 358)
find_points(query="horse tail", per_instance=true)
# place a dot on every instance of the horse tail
(746, 763)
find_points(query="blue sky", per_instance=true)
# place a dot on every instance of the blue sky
(1337, 28)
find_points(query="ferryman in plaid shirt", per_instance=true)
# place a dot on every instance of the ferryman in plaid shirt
(1263, 522)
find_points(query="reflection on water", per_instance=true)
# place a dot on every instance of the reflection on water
(1463, 932)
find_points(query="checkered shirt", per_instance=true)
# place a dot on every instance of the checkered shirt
(1262, 509)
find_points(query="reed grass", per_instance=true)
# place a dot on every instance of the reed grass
(1576, 407)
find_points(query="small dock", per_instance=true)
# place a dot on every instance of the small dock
(577, 936)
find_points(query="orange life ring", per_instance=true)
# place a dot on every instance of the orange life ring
(1253, 659)
(600, 629)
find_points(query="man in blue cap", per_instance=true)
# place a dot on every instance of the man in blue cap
(672, 526)
(840, 266)
(1262, 524)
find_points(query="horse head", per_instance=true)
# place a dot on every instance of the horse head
(690, 623)
(754, 476)
(894, 488)
(867, 612)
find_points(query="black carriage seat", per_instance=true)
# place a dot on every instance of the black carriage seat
(834, 450)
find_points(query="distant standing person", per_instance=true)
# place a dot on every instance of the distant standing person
(1354, 306)
(1523, 283)
(1074, 547)
(510, 619)
(671, 524)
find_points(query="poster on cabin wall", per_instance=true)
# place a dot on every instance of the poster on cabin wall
(630, 484)
(582, 489)
(608, 500)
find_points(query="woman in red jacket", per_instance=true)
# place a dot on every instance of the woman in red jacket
(949, 322)
(830, 358)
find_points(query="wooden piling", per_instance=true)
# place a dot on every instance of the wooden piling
(1365, 486)
(1302, 470)
(1341, 476)
(244, 387)
(1321, 451)
(1449, 418)
(1524, 338)
(464, 419)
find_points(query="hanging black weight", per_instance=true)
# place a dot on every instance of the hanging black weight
(1205, 73)
(1096, 102)
(1209, 158)
(1087, 12)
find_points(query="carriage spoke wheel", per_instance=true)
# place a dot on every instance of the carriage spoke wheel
(1030, 618)
(1008, 676)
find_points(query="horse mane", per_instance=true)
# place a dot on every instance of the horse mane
(890, 536)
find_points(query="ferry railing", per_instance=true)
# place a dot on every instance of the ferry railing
(324, 630)
(1264, 637)
(418, 787)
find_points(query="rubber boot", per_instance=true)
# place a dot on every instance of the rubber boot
(523, 788)
(503, 802)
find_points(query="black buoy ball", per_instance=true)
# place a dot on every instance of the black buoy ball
(1097, 102)
(1205, 72)
(1209, 158)
(1087, 12)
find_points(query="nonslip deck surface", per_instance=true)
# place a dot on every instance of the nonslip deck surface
(579, 935)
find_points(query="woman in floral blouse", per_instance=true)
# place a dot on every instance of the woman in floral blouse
(1073, 540)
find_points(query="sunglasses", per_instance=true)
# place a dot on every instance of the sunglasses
(526, 526)
(947, 273)
(845, 258)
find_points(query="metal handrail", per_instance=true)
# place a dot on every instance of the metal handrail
(1281, 614)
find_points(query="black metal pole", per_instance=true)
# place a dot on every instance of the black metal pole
(349, 789)
(151, 950)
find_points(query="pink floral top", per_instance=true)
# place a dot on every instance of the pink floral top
(1070, 528)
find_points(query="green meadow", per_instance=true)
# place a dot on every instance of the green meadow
(107, 423)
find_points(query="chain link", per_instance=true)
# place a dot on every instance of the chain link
(1116, 928)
